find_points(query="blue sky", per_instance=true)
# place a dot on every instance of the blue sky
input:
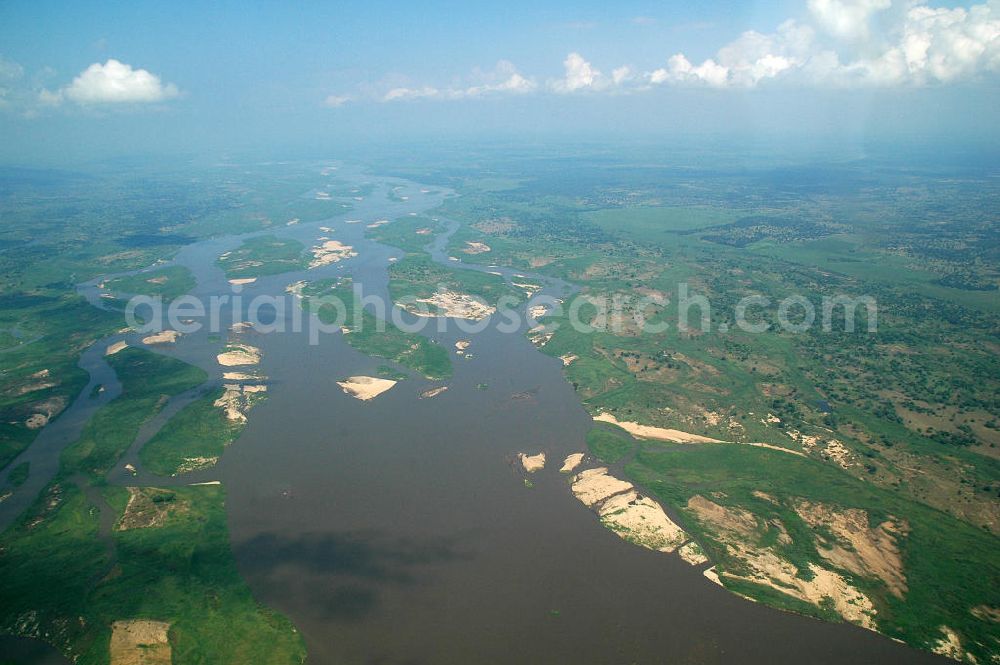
(81, 79)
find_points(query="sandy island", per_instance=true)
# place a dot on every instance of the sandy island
(635, 518)
(115, 348)
(239, 354)
(595, 485)
(453, 305)
(329, 252)
(537, 311)
(365, 388)
(240, 327)
(237, 399)
(571, 462)
(239, 376)
(532, 463)
(476, 247)
(240, 281)
(162, 337)
(433, 392)
(568, 358)
(529, 289)
(540, 335)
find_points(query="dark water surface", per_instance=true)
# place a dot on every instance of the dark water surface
(399, 530)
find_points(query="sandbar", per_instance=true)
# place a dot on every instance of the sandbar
(365, 388)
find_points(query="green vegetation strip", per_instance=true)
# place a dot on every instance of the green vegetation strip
(59, 577)
(169, 283)
(199, 431)
(264, 255)
(419, 276)
(40, 370)
(411, 234)
(148, 381)
(167, 559)
(950, 566)
(373, 336)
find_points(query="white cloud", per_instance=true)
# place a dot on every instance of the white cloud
(919, 46)
(114, 82)
(336, 101)
(402, 93)
(846, 19)
(838, 44)
(621, 75)
(10, 70)
(503, 79)
(580, 75)
(947, 44)
(10, 75)
(680, 70)
(49, 98)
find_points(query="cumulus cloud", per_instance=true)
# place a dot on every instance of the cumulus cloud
(621, 75)
(937, 45)
(837, 44)
(503, 79)
(10, 70)
(920, 45)
(113, 82)
(579, 75)
(10, 76)
(336, 101)
(403, 93)
(846, 19)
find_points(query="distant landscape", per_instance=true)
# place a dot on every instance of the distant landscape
(875, 499)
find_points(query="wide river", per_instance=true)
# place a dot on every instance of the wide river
(398, 530)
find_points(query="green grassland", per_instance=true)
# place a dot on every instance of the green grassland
(39, 366)
(168, 283)
(148, 380)
(852, 255)
(19, 474)
(654, 223)
(418, 276)
(373, 336)
(410, 233)
(951, 567)
(610, 444)
(199, 430)
(62, 228)
(915, 407)
(65, 580)
(264, 255)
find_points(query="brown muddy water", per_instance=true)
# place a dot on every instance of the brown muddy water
(400, 530)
